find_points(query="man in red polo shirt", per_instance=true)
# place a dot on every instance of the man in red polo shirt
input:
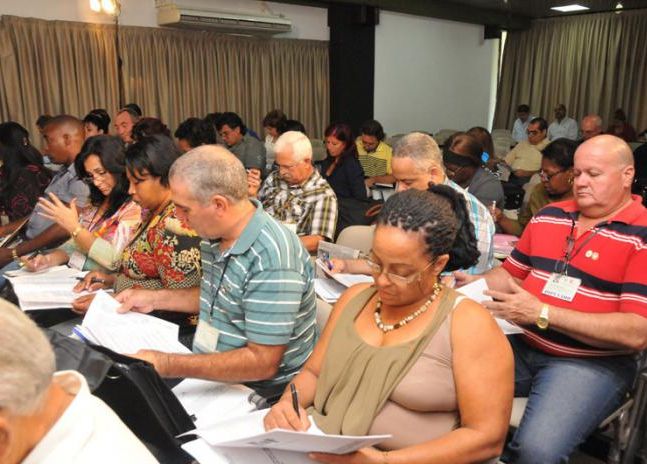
(576, 282)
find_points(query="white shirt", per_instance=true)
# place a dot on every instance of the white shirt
(519, 129)
(567, 128)
(87, 432)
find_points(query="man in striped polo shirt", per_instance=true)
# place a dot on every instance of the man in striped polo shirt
(256, 300)
(576, 283)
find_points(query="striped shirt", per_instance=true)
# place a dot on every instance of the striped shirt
(376, 163)
(610, 260)
(312, 205)
(483, 229)
(261, 290)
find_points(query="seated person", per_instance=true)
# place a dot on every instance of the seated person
(194, 132)
(562, 126)
(524, 159)
(164, 252)
(576, 283)
(256, 301)
(297, 195)
(556, 185)
(145, 127)
(407, 356)
(591, 126)
(374, 154)
(463, 158)
(341, 167)
(96, 122)
(273, 123)
(125, 120)
(487, 145)
(520, 125)
(23, 176)
(249, 150)
(621, 128)
(417, 163)
(102, 230)
(51, 417)
(64, 138)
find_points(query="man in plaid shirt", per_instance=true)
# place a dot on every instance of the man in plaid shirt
(297, 195)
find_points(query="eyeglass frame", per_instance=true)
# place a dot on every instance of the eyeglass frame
(89, 179)
(377, 270)
(548, 177)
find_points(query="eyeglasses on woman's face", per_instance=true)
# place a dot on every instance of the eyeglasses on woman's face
(377, 270)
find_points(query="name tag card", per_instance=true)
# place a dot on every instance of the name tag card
(206, 337)
(77, 260)
(562, 287)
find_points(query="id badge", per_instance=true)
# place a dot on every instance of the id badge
(77, 260)
(206, 337)
(561, 286)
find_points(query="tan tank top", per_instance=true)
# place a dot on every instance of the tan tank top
(406, 390)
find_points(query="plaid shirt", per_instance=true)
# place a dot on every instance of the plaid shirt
(312, 205)
(483, 229)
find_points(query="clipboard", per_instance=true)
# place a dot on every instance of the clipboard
(7, 239)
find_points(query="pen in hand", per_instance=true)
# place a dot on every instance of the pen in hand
(295, 399)
(93, 280)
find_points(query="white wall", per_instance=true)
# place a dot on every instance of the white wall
(432, 74)
(307, 22)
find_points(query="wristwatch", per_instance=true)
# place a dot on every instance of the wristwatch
(542, 320)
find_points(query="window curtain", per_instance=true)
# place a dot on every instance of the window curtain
(592, 63)
(65, 67)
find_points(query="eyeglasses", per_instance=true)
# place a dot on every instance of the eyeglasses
(90, 178)
(548, 177)
(532, 132)
(377, 270)
(287, 167)
(452, 172)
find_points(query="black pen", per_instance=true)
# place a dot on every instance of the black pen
(295, 399)
(93, 280)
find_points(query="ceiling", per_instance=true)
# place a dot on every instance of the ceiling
(506, 14)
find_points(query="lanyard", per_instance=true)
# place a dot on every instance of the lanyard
(214, 295)
(561, 267)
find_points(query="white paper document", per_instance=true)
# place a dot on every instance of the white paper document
(129, 332)
(211, 402)
(48, 289)
(328, 290)
(206, 454)
(474, 290)
(247, 431)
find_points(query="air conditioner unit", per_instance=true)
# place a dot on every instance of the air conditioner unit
(170, 14)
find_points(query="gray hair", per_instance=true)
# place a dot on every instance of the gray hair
(595, 119)
(210, 170)
(422, 149)
(27, 362)
(298, 142)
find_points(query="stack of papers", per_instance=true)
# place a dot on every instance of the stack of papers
(129, 332)
(48, 289)
(475, 291)
(330, 287)
(231, 437)
(206, 400)
(503, 245)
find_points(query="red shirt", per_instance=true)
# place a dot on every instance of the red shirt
(610, 260)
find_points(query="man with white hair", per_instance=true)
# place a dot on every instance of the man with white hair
(591, 126)
(256, 301)
(48, 417)
(297, 195)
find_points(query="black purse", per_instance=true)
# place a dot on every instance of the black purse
(134, 391)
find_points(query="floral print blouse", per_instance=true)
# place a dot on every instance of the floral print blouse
(18, 198)
(165, 253)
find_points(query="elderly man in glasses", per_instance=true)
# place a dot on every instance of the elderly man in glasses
(524, 159)
(576, 283)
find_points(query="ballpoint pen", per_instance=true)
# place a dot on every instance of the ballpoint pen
(93, 280)
(295, 399)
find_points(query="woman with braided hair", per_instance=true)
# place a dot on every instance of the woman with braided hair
(407, 356)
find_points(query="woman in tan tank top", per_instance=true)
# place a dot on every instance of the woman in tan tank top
(406, 356)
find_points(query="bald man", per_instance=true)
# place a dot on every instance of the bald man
(576, 283)
(64, 136)
(591, 126)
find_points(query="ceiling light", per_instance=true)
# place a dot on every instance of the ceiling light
(95, 5)
(569, 8)
(619, 6)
